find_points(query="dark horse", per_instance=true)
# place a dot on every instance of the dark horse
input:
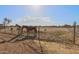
(29, 28)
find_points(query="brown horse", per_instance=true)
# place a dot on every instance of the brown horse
(29, 29)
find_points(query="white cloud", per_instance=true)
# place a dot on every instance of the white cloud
(32, 20)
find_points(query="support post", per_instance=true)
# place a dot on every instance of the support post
(39, 40)
(74, 37)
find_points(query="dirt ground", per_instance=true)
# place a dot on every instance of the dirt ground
(32, 47)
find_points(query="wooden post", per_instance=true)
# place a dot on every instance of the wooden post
(39, 39)
(74, 37)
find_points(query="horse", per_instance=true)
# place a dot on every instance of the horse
(29, 29)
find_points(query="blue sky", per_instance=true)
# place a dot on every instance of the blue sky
(55, 14)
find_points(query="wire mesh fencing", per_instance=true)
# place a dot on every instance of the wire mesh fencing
(56, 34)
(59, 34)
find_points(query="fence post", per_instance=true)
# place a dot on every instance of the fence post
(74, 37)
(39, 39)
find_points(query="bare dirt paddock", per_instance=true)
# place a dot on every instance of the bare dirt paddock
(32, 47)
(54, 42)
